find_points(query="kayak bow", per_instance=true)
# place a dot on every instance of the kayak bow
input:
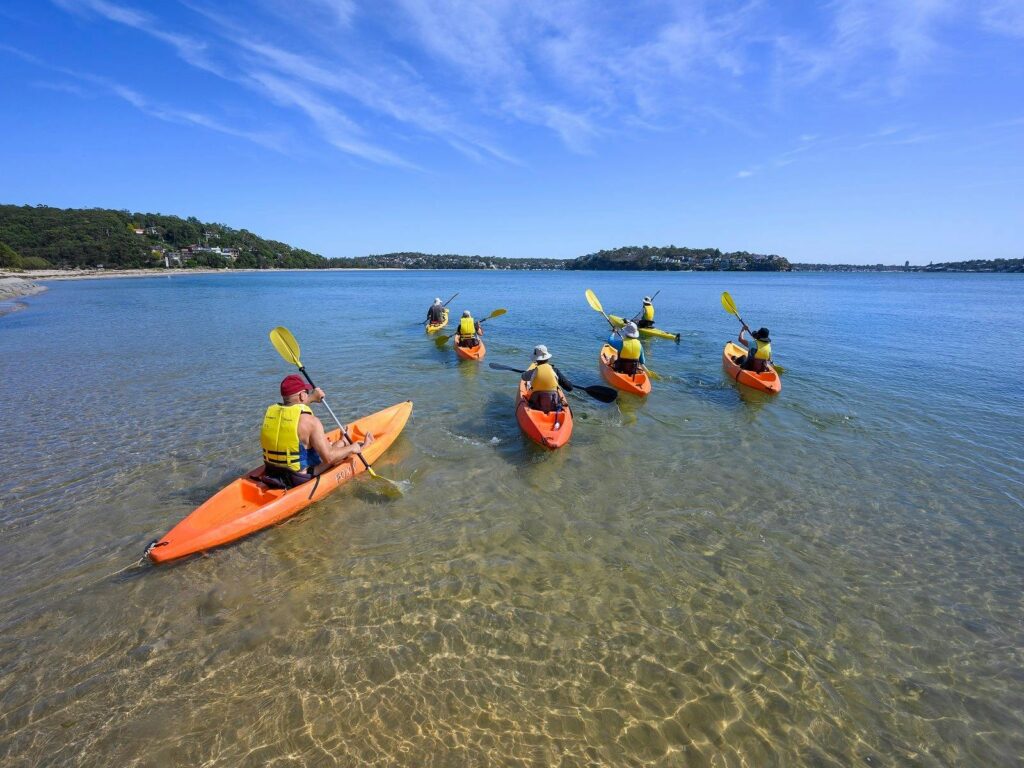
(657, 333)
(246, 505)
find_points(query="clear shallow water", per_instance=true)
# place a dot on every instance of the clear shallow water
(710, 577)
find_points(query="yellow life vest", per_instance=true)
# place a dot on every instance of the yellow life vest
(280, 436)
(631, 349)
(764, 350)
(467, 328)
(545, 379)
(649, 312)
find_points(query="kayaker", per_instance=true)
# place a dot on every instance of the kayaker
(295, 446)
(631, 351)
(469, 329)
(435, 314)
(646, 314)
(759, 349)
(544, 380)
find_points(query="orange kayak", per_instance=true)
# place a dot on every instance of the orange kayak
(247, 505)
(768, 381)
(638, 383)
(470, 353)
(433, 328)
(540, 426)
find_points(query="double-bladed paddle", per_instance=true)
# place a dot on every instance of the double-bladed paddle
(596, 391)
(730, 306)
(288, 347)
(426, 322)
(653, 297)
(442, 340)
(596, 306)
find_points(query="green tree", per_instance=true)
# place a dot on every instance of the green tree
(8, 258)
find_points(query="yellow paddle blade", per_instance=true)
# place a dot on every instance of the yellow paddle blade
(729, 304)
(652, 374)
(496, 313)
(286, 345)
(593, 302)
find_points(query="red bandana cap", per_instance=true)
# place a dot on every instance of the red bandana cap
(293, 383)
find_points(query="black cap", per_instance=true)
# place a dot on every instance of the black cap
(761, 334)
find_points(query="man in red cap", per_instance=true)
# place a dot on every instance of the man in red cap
(295, 446)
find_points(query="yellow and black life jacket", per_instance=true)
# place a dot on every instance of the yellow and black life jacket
(649, 312)
(467, 328)
(544, 379)
(280, 437)
(631, 349)
(764, 350)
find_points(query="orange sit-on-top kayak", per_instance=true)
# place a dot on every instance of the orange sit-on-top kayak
(551, 430)
(638, 383)
(768, 381)
(470, 353)
(247, 505)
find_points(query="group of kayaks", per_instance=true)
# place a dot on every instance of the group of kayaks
(251, 503)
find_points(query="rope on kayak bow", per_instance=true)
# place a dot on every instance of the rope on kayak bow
(136, 564)
(151, 546)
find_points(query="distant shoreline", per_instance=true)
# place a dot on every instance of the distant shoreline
(18, 284)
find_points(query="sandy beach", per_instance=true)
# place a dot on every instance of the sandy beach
(99, 274)
(14, 288)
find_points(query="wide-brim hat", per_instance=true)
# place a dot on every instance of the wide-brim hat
(761, 334)
(647, 300)
(540, 354)
(629, 330)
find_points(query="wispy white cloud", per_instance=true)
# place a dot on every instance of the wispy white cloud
(462, 71)
(185, 117)
(194, 52)
(268, 139)
(339, 131)
(63, 87)
(1004, 16)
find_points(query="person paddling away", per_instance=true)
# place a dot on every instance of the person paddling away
(759, 349)
(436, 313)
(295, 446)
(647, 314)
(631, 352)
(469, 329)
(544, 380)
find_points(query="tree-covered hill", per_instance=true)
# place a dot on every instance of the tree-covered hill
(653, 258)
(41, 236)
(441, 261)
(90, 237)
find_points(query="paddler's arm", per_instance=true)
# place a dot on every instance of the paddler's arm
(615, 340)
(330, 453)
(740, 337)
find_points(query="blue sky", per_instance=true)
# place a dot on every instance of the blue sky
(848, 131)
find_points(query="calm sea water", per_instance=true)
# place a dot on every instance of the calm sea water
(832, 577)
